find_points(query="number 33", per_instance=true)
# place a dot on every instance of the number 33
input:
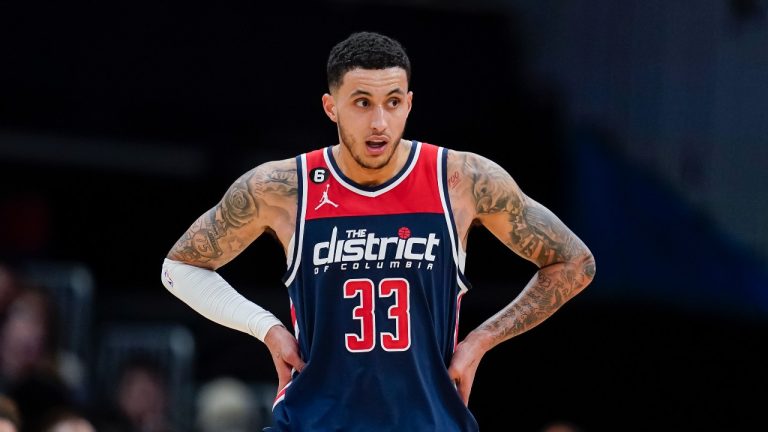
(364, 312)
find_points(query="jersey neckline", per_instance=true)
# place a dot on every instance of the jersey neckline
(372, 191)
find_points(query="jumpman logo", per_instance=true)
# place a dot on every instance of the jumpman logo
(325, 199)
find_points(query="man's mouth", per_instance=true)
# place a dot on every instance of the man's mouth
(376, 145)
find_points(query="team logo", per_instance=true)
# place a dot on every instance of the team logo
(318, 175)
(324, 199)
(355, 249)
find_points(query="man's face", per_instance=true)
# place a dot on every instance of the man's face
(370, 108)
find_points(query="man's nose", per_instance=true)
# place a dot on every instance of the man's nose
(379, 120)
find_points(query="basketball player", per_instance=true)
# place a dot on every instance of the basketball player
(374, 230)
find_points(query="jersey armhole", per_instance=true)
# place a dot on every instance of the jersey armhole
(459, 255)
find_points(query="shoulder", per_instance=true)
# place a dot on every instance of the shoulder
(283, 165)
(273, 178)
(469, 163)
(481, 182)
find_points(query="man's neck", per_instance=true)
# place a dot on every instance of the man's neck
(371, 176)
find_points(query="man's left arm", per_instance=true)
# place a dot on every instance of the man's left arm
(490, 197)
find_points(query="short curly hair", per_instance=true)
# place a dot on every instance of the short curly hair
(365, 50)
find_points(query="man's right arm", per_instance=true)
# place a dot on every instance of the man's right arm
(263, 199)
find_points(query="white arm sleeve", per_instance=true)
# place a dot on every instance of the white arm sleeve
(210, 295)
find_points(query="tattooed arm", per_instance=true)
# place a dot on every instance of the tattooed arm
(263, 199)
(483, 193)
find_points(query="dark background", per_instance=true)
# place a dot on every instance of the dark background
(121, 122)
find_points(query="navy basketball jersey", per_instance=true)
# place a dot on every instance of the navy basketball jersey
(375, 282)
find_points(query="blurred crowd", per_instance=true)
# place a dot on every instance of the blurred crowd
(43, 389)
(43, 386)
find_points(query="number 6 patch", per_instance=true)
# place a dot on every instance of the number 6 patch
(318, 175)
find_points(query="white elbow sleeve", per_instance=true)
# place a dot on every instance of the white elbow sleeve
(210, 295)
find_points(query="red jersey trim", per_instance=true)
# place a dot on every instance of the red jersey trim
(415, 189)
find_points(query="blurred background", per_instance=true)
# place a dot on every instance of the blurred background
(642, 124)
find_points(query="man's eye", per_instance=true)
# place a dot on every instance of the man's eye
(362, 103)
(394, 102)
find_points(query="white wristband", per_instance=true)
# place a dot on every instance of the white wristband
(210, 295)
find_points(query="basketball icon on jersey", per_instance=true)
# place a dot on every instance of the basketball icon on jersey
(325, 200)
(404, 232)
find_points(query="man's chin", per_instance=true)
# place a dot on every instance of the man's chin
(371, 163)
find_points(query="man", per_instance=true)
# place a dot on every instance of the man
(374, 229)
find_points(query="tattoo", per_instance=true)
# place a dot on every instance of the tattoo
(571, 269)
(532, 230)
(283, 182)
(453, 180)
(546, 293)
(218, 230)
(200, 242)
(589, 269)
(238, 207)
(565, 264)
(537, 235)
(492, 188)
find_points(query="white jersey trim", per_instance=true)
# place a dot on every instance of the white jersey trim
(459, 256)
(289, 252)
(300, 220)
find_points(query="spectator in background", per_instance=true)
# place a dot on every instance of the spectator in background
(28, 356)
(66, 420)
(9, 287)
(140, 401)
(9, 415)
(226, 404)
(28, 340)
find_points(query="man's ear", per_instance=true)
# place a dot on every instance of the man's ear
(329, 106)
(409, 98)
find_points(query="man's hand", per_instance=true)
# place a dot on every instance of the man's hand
(285, 354)
(464, 363)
